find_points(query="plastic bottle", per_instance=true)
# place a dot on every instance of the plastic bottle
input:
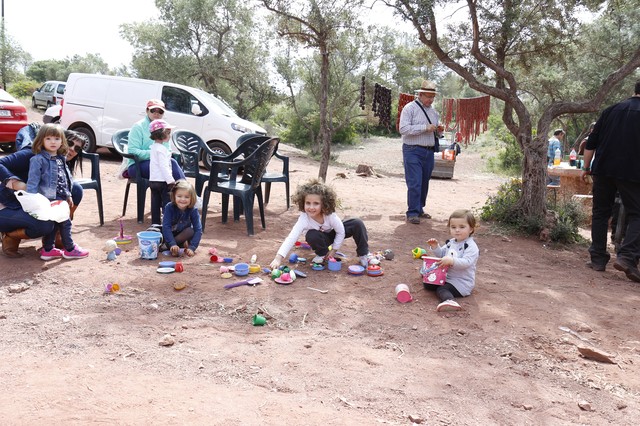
(572, 158)
(557, 157)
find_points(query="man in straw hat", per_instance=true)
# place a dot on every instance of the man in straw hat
(420, 132)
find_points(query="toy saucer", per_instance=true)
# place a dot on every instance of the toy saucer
(167, 264)
(356, 270)
(281, 281)
(165, 270)
(317, 267)
(125, 239)
(299, 273)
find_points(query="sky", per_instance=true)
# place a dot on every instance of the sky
(62, 28)
(58, 29)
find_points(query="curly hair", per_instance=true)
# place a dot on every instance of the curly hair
(466, 215)
(184, 185)
(50, 130)
(316, 187)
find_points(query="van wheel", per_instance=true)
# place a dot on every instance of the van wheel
(218, 148)
(91, 145)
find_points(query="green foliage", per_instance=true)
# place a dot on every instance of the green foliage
(565, 229)
(509, 159)
(23, 88)
(217, 45)
(502, 208)
(54, 69)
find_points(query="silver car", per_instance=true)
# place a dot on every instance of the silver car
(51, 93)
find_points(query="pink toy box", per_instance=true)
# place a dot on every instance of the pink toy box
(432, 274)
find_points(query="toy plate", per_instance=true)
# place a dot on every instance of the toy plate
(167, 264)
(280, 281)
(165, 270)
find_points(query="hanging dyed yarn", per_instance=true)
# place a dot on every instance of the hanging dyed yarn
(381, 106)
(404, 99)
(469, 114)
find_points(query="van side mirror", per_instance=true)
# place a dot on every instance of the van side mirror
(195, 109)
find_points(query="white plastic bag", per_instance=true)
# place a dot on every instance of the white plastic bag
(38, 206)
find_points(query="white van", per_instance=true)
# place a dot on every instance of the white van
(100, 105)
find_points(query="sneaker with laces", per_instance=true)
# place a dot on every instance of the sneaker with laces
(77, 253)
(448, 305)
(54, 253)
(318, 259)
(364, 260)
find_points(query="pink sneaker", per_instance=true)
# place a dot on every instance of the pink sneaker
(77, 253)
(54, 253)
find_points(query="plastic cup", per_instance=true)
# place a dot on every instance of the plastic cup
(179, 267)
(293, 258)
(259, 320)
(403, 294)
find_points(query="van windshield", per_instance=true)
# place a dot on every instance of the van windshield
(216, 104)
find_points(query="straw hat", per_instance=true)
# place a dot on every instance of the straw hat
(427, 87)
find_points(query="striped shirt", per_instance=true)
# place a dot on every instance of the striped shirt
(413, 124)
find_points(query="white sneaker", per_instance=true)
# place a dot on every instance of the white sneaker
(318, 259)
(448, 305)
(364, 260)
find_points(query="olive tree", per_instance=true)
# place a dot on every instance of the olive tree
(500, 47)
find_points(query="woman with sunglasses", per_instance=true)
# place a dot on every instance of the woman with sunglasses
(140, 142)
(15, 223)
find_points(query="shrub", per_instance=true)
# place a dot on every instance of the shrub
(23, 88)
(502, 208)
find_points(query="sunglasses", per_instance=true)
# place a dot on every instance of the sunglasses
(156, 111)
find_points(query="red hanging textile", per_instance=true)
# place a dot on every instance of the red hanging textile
(404, 99)
(469, 114)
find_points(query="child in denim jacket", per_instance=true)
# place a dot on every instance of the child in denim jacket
(50, 176)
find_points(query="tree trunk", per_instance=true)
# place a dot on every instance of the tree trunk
(325, 131)
(534, 177)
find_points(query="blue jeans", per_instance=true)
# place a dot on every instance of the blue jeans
(176, 170)
(12, 219)
(65, 233)
(16, 218)
(418, 166)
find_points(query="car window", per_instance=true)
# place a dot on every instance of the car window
(49, 87)
(60, 89)
(179, 100)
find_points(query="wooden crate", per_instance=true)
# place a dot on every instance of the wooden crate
(443, 169)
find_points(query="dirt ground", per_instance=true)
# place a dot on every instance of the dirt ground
(351, 356)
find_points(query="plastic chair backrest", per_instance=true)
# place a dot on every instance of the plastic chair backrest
(261, 157)
(120, 141)
(250, 142)
(189, 144)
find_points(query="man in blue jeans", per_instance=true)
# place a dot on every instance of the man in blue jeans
(420, 132)
(614, 143)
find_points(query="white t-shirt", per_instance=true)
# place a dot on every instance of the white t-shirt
(160, 164)
(305, 223)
